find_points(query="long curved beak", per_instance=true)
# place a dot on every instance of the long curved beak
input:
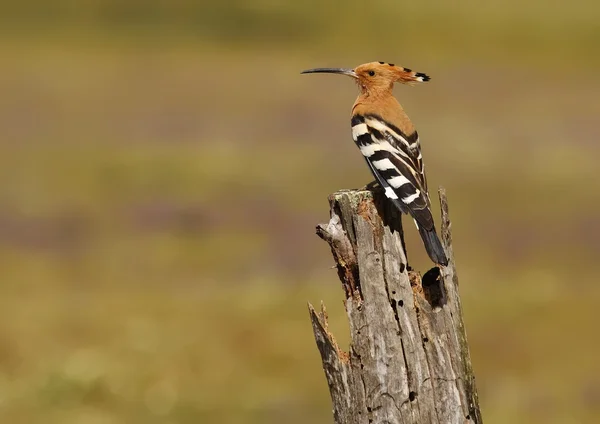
(342, 71)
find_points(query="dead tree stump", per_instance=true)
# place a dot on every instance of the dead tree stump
(408, 360)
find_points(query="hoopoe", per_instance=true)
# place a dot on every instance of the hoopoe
(390, 144)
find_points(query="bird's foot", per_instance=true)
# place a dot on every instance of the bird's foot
(372, 185)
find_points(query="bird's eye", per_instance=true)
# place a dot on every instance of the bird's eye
(372, 73)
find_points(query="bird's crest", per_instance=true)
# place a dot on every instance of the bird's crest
(381, 73)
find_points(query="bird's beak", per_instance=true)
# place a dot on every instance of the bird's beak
(342, 71)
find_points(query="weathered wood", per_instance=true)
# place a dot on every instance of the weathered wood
(408, 360)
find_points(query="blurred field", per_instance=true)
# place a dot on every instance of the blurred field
(163, 164)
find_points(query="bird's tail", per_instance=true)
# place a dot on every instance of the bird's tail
(433, 246)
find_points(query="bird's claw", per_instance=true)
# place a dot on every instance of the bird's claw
(372, 185)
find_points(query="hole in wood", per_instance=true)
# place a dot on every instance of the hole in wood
(401, 303)
(402, 267)
(433, 288)
(468, 417)
(393, 303)
(425, 339)
(412, 396)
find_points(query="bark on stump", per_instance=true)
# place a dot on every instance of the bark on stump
(408, 360)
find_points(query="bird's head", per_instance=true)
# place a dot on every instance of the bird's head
(376, 76)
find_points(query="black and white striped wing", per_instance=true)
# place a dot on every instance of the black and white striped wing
(396, 162)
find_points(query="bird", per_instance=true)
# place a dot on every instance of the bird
(390, 144)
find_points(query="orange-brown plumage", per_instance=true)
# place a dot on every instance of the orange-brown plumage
(376, 92)
(385, 106)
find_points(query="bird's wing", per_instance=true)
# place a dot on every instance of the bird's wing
(396, 162)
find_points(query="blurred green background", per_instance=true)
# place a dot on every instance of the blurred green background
(163, 165)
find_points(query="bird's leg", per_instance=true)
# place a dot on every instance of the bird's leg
(373, 184)
(408, 267)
